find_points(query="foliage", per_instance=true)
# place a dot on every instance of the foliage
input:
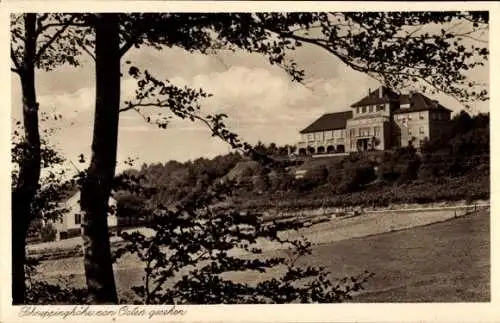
(194, 245)
(472, 186)
(43, 293)
(272, 149)
(46, 203)
(48, 233)
(55, 37)
(173, 181)
(460, 151)
(369, 42)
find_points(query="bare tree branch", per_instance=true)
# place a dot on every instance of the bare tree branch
(52, 39)
(86, 50)
(129, 42)
(61, 24)
(136, 107)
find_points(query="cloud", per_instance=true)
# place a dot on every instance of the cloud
(264, 98)
(69, 104)
(249, 94)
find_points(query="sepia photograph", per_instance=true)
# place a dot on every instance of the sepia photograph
(249, 157)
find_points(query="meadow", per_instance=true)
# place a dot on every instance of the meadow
(415, 257)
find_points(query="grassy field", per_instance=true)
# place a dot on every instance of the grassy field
(441, 262)
(447, 261)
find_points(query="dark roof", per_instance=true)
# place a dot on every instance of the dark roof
(329, 121)
(374, 97)
(419, 102)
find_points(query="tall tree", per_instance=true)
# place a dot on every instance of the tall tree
(37, 41)
(96, 187)
(389, 46)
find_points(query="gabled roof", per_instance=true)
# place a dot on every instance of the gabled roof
(418, 102)
(329, 121)
(374, 98)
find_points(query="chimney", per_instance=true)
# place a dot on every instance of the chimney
(289, 150)
(435, 103)
(380, 92)
(369, 91)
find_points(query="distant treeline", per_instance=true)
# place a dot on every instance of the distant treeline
(455, 166)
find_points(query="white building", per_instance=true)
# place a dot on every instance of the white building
(70, 222)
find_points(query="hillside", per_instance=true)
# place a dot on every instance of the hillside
(242, 169)
(451, 168)
(413, 259)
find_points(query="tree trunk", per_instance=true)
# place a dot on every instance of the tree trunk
(29, 168)
(96, 189)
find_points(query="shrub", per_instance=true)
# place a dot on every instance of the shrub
(44, 293)
(48, 233)
(318, 175)
(197, 241)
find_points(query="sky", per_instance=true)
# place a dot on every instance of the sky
(261, 101)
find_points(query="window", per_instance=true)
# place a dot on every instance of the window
(409, 117)
(421, 115)
(363, 110)
(380, 108)
(310, 137)
(364, 131)
(358, 110)
(370, 108)
(376, 131)
(421, 130)
(353, 133)
(78, 218)
(341, 134)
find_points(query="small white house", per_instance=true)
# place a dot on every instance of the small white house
(70, 222)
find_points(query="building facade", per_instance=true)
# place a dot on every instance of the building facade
(381, 120)
(70, 223)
